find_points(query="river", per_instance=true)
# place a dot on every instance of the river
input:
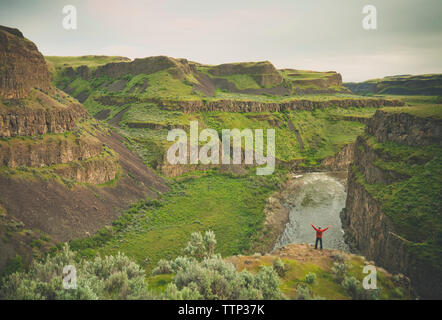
(318, 198)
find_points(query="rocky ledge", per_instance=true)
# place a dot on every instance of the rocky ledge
(255, 106)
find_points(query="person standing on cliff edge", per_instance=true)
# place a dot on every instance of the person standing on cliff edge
(319, 232)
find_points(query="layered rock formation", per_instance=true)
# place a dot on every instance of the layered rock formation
(406, 129)
(48, 150)
(30, 106)
(177, 67)
(22, 67)
(40, 114)
(98, 170)
(375, 230)
(256, 106)
(341, 160)
(264, 73)
(332, 79)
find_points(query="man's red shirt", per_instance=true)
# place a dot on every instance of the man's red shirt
(319, 232)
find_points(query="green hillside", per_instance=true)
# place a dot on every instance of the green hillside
(424, 84)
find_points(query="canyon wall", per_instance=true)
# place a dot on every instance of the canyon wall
(369, 230)
(47, 151)
(22, 66)
(256, 106)
(405, 128)
(97, 170)
(39, 123)
(341, 160)
(28, 121)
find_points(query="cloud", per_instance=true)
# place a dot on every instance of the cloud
(320, 34)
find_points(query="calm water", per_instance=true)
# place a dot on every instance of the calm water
(318, 198)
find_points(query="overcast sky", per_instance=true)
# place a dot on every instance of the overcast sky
(314, 35)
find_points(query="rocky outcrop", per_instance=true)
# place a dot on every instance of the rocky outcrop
(47, 151)
(370, 232)
(207, 85)
(31, 109)
(22, 66)
(31, 121)
(97, 170)
(175, 170)
(405, 128)
(264, 73)
(156, 126)
(255, 106)
(341, 160)
(366, 157)
(332, 79)
(177, 67)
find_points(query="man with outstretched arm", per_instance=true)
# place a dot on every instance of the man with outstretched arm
(319, 232)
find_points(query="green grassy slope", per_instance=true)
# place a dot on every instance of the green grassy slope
(230, 205)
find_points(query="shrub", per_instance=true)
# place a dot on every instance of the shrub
(352, 286)
(339, 270)
(180, 263)
(369, 294)
(267, 281)
(111, 277)
(188, 293)
(279, 267)
(202, 274)
(13, 265)
(339, 258)
(36, 243)
(310, 278)
(303, 292)
(201, 246)
(163, 267)
(357, 292)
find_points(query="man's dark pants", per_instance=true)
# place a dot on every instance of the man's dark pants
(320, 242)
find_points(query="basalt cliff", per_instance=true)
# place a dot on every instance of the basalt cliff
(393, 207)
